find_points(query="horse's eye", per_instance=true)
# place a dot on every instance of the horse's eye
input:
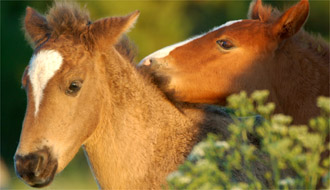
(73, 88)
(225, 44)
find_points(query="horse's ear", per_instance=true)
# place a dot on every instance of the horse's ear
(108, 30)
(291, 21)
(35, 25)
(257, 11)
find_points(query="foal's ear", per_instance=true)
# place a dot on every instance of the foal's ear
(257, 11)
(291, 21)
(35, 26)
(108, 30)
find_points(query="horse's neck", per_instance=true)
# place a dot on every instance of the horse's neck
(300, 74)
(137, 141)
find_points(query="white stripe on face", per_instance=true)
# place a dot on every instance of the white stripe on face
(42, 68)
(165, 51)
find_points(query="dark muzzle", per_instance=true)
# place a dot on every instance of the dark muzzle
(36, 169)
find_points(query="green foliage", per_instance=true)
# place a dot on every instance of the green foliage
(290, 153)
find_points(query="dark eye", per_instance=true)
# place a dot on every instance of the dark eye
(73, 88)
(225, 44)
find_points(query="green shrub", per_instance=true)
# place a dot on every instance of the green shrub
(293, 153)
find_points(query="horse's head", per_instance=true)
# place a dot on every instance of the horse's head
(207, 68)
(64, 84)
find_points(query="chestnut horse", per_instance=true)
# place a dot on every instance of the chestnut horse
(267, 51)
(82, 90)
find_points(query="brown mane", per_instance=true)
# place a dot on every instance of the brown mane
(126, 48)
(67, 18)
(267, 13)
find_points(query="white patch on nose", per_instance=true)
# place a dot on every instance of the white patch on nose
(166, 51)
(42, 68)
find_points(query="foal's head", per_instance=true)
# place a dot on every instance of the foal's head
(207, 68)
(64, 82)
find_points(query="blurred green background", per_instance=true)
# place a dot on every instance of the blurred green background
(161, 23)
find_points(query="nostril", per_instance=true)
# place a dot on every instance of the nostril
(152, 61)
(148, 62)
(43, 157)
(38, 166)
(28, 165)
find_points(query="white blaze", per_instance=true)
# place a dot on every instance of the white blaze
(42, 68)
(165, 51)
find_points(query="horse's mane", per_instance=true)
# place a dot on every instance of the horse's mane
(66, 17)
(70, 18)
(269, 13)
(126, 48)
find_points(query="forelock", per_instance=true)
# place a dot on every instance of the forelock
(66, 17)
